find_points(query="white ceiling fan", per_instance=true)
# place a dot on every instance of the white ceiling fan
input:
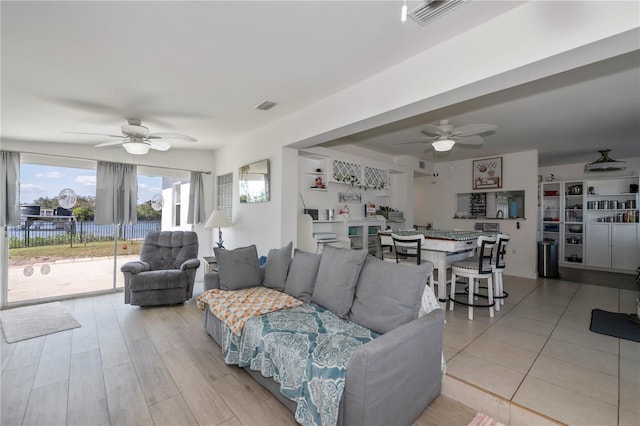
(444, 136)
(137, 139)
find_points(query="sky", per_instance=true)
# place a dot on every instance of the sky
(47, 181)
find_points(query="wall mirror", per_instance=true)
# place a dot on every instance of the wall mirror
(254, 182)
(490, 205)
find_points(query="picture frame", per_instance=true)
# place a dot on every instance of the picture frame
(487, 173)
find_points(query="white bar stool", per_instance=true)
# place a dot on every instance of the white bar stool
(476, 268)
(498, 266)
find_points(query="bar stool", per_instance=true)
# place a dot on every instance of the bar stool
(386, 241)
(476, 268)
(498, 266)
(410, 246)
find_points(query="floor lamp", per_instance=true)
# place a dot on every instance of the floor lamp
(218, 219)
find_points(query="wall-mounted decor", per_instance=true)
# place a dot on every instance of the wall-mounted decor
(254, 182)
(487, 173)
(349, 197)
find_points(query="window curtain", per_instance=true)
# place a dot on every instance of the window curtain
(196, 212)
(116, 194)
(10, 189)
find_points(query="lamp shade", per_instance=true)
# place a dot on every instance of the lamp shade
(218, 219)
(443, 144)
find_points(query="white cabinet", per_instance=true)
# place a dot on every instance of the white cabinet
(599, 245)
(613, 246)
(625, 253)
(364, 234)
(612, 224)
(359, 175)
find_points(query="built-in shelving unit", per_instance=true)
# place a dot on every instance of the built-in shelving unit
(594, 222)
(316, 172)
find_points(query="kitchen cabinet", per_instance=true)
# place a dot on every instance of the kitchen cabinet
(612, 240)
(613, 246)
(364, 234)
(359, 175)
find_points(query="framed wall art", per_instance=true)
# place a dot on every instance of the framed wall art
(487, 173)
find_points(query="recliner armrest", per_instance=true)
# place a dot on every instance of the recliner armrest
(190, 264)
(135, 267)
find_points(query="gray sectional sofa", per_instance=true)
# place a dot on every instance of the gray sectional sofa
(389, 380)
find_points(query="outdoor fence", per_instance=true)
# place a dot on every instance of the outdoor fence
(46, 233)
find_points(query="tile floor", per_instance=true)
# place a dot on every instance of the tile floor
(537, 356)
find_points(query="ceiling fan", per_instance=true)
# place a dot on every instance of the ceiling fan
(444, 136)
(137, 139)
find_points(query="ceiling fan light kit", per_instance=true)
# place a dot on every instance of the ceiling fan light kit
(605, 164)
(442, 145)
(136, 139)
(136, 148)
(443, 136)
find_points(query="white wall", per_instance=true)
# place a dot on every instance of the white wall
(544, 38)
(436, 202)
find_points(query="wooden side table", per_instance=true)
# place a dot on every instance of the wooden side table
(210, 264)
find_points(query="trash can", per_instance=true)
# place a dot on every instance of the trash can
(548, 259)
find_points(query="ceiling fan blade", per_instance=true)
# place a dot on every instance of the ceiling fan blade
(97, 134)
(173, 136)
(414, 140)
(110, 143)
(469, 140)
(158, 145)
(473, 129)
(431, 130)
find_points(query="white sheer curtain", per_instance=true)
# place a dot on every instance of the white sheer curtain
(196, 213)
(10, 189)
(116, 194)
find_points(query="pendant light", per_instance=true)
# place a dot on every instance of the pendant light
(605, 164)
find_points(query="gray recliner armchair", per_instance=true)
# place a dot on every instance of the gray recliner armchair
(166, 270)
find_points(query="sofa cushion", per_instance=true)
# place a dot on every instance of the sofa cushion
(337, 277)
(388, 295)
(277, 266)
(238, 268)
(302, 275)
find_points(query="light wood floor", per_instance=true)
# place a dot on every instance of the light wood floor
(141, 366)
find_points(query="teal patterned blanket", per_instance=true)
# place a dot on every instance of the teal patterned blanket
(306, 349)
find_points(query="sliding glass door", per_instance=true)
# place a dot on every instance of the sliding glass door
(59, 251)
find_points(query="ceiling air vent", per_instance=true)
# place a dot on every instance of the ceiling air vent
(433, 9)
(266, 105)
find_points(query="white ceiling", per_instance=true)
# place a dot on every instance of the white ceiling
(200, 68)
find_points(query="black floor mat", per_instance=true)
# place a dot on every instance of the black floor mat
(624, 326)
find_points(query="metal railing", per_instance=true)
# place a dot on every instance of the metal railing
(37, 233)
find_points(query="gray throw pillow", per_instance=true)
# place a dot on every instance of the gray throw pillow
(388, 295)
(302, 275)
(277, 266)
(337, 278)
(238, 268)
